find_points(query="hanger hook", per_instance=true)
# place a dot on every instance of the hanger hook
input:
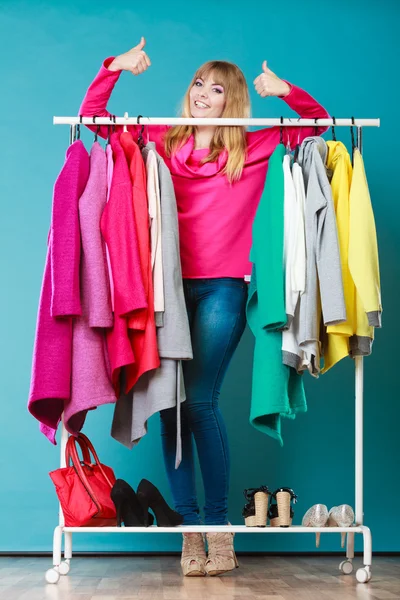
(126, 116)
(352, 133)
(281, 132)
(98, 128)
(138, 122)
(110, 128)
(333, 129)
(78, 129)
(140, 136)
(353, 145)
(316, 126)
(298, 134)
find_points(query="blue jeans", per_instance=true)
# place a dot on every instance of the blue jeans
(216, 311)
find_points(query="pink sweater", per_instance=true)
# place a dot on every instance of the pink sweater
(215, 218)
(52, 354)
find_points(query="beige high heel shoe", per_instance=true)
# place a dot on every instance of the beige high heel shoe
(194, 556)
(221, 554)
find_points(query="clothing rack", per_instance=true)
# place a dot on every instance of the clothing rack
(363, 574)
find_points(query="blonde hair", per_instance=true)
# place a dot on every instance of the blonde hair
(237, 105)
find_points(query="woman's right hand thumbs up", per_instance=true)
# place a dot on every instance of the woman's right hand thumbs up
(135, 60)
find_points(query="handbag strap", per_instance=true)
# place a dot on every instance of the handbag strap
(90, 447)
(87, 448)
(72, 454)
(83, 446)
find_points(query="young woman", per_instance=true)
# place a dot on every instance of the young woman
(218, 175)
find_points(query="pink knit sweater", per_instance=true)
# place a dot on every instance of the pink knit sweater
(52, 354)
(215, 218)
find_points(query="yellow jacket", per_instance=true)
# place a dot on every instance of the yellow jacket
(363, 261)
(359, 258)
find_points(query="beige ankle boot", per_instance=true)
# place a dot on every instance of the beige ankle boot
(194, 557)
(221, 554)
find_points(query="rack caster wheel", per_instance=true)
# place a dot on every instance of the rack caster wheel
(363, 575)
(64, 567)
(346, 567)
(52, 575)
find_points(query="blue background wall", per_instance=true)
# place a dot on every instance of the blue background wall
(344, 55)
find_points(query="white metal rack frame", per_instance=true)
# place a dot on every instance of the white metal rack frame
(363, 574)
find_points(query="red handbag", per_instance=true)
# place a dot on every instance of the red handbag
(83, 489)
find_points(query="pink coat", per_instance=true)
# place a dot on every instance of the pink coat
(51, 366)
(119, 232)
(91, 378)
(141, 326)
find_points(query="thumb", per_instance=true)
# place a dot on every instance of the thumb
(264, 67)
(141, 44)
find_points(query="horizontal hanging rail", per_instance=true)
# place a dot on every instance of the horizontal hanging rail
(286, 122)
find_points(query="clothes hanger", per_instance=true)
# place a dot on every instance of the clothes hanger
(77, 132)
(140, 141)
(126, 116)
(329, 171)
(98, 128)
(333, 129)
(111, 128)
(297, 148)
(288, 149)
(353, 144)
(281, 132)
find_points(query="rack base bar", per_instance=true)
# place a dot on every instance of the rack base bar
(213, 529)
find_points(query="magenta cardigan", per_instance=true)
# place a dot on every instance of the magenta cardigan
(60, 295)
(215, 218)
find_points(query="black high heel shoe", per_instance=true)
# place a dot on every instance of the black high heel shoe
(249, 513)
(255, 511)
(149, 496)
(129, 509)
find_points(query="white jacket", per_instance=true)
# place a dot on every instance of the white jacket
(153, 195)
(295, 263)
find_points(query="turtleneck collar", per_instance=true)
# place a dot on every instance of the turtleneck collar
(184, 162)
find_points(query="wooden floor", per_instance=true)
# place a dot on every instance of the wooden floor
(159, 578)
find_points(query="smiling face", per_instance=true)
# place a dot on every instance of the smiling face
(207, 98)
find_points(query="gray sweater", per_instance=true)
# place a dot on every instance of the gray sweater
(324, 285)
(163, 387)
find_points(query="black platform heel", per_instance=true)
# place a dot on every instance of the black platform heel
(149, 496)
(129, 509)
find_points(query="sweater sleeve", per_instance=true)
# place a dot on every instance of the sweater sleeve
(97, 96)
(328, 261)
(263, 141)
(65, 246)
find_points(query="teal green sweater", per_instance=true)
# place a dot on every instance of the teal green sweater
(277, 389)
